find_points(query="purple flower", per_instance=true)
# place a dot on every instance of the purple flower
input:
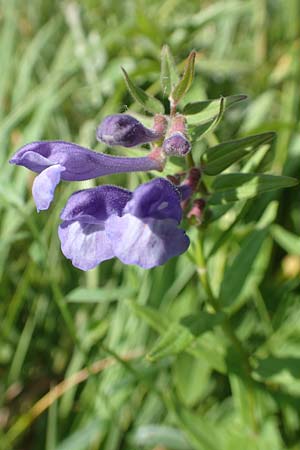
(124, 130)
(83, 231)
(59, 160)
(176, 145)
(138, 228)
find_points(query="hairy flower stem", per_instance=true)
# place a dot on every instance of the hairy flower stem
(173, 107)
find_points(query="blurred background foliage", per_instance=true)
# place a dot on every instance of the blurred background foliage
(84, 336)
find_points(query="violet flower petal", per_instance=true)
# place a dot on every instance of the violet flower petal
(85, 244)
(146, 243)
(80, 163)
(77, 163)
(82, 234)
(139, 228)
(185, 191)
(176, 145)
(157, 199)
(44, 186)
(94, 205)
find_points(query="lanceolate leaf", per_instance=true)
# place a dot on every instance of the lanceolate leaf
(156, 436)
(185, 82)
(200, 131)
(201, 322)
(179, 336)
(196, 132)
(237, 273)
(239, 186)
(168, 76)
(148, 102)
(206, 110)
(175, 340)
(218, 158)
(151, 316)
(199, 430)
(97, 295)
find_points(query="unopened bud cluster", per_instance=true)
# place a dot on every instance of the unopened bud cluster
(177, 143)
(169, 138)
(126, 131)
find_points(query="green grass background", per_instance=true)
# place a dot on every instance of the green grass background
(59, 76)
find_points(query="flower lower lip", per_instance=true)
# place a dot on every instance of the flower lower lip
(139, 227)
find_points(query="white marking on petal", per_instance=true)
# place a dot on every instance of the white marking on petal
(108, 138)
(163, 205)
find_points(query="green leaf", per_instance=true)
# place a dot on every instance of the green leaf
(186, 80)
(146, 436)
(84, 436)
(237, 273)
(243, 398)
(199, 112)
(98, 295)
(179, 336)
(196, 132)
(218, 158)
(209, 348)
(214, 12)
(239, 186)
(210, 107)
(290, 242)
(200, 131)
(201, 322)
(197, 371)
(168, 76)
(148, 102)
(174, 341)
(153, 317)
(216, 212)
(201, 432)
(228, 232)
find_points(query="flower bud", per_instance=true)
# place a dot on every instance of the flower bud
(193, 178)
(124, 130)
(176, 145)
(197, 210)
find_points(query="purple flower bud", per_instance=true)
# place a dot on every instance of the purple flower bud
(197, 210)
(124, 130)
(193, 178)
(176, 145)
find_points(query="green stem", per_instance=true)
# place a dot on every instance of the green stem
(214, 303)
(190, 160)
(227, 327)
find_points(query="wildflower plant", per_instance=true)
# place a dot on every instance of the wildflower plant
(143, 227)
(233, 381)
